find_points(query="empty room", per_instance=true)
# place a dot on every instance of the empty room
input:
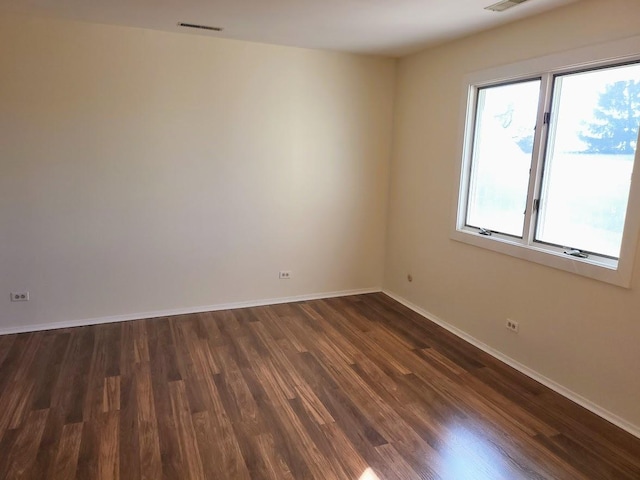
(355, 240)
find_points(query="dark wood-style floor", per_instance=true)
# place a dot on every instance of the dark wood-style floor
(347, 388)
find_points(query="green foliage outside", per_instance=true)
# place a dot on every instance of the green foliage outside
(614, 129)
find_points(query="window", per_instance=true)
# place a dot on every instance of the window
(501, 156)
(548, 161)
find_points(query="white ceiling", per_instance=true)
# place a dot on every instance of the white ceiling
(388, 27)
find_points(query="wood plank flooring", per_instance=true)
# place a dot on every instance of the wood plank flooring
(354, 388)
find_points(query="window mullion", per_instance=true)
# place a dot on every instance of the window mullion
(537, 159)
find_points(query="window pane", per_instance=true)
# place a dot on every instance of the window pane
(502, 148)
(590, 154)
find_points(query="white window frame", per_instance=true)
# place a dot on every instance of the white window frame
(600, 268)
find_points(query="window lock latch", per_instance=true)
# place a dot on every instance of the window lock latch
(574, 252)
(485, 232)
(536, 204)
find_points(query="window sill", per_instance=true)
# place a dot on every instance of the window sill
(604, 270)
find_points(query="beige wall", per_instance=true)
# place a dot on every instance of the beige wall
(145, 171)
(580, 333)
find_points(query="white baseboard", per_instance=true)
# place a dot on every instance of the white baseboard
(556, 387)
(182, 311)
(565, 392)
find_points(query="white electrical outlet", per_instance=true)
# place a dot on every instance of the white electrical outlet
(19, 296)
(284, 274)
(512, 325)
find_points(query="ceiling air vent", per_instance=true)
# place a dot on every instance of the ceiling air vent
(504, 5)
(201, 27)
